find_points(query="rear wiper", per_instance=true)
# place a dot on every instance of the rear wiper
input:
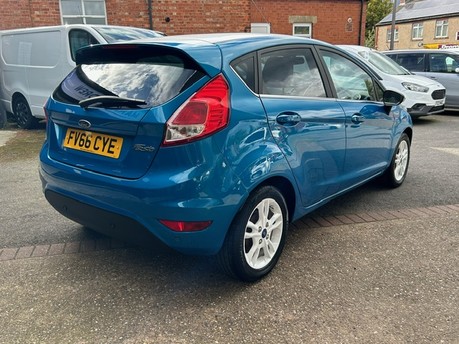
(111, 101)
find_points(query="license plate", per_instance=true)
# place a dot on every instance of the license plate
(92, 142)
(439, 102)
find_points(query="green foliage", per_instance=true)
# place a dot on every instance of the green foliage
(376, 10)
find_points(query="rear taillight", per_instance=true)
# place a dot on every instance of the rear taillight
(206, 112)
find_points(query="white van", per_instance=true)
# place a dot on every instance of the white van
(34, 61)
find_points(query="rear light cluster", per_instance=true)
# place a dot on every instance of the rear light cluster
(206, 112)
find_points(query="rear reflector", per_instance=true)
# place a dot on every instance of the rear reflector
(186, 226)
(205, 113)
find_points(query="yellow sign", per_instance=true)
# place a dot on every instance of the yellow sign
(441, 46)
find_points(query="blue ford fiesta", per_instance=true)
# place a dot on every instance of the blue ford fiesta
(214, 143)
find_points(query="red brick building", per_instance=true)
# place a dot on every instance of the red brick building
(335, 21)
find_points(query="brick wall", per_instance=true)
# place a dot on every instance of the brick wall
(202, 16)
(28, 13)
(128, 12)
(332, 18)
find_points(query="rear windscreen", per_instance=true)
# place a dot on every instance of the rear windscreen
(152, 76)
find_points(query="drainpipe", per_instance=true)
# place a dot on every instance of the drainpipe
(150, 13)
(361, 21)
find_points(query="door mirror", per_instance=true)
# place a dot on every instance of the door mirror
(392, 98)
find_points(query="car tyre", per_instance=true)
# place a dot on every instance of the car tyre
(396, 173)
(22, 113)
(256, 237)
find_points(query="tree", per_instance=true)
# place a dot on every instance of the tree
(376, 10)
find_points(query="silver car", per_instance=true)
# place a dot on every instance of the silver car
(437, 64)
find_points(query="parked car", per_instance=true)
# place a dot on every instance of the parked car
(34, 61)
(214, 143)
(423, 96)
(441, 65)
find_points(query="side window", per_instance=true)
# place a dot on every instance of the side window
(245, 68)
(412, 62)
(438, 63)
(79, 39)
(443, 63)
(291, 72)
(351, 81)
(452, 63)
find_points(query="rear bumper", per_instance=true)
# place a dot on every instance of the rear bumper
(106, 222)
(131, 209)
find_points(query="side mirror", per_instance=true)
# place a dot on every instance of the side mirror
(392, 98)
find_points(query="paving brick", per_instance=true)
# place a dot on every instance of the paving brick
(346, 220)
(454, 207)
(88, 246)
(310, 222)
(397, 214)
(334, 220)
(376, 215)
(407, 212)
(40, 250)
(367, 217)
(322, 222)
(437, 210)
(445, 208)
(427, 211)
(355, 218)
(56, 249)
(8, 254)
(24, 252)
(72, 247)
(417, 212)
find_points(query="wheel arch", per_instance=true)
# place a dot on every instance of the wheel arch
(16, 95)
(286, 189)
(409, 132)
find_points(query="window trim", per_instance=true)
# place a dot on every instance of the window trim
(441, 24)
(308, 25)
(417, 28)
(83, 16)
(388, 34)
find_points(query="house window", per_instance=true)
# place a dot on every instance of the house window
(389, 31)
(417, 31)
(83, 12)
(260, 28)
(302, 30)
(441, 29)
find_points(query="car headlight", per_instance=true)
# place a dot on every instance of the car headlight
(415, 87)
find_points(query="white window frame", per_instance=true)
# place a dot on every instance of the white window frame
(395, 35)
(302, 25)
(260, 27)
(417, 31)
(82, 16)
(441, 28)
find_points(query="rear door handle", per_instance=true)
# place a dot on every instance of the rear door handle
(357, 118)
(288, 118)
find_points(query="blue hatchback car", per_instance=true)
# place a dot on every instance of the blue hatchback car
(214, 143)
